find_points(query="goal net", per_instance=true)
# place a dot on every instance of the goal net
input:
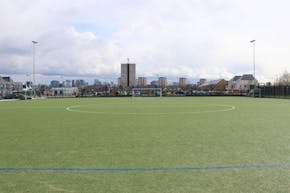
(146, 92)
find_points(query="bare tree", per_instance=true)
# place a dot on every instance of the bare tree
(284, 79)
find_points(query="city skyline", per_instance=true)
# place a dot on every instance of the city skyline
(194, 39)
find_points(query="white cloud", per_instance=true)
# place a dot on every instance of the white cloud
(199, 38)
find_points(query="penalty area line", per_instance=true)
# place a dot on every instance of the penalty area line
(260, 166)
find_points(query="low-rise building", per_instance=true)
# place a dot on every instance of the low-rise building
(242, 84)
(214, 85)
(63, 92)
(8, 86)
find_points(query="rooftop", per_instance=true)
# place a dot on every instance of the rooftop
(247, 77)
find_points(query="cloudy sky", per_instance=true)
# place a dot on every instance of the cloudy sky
(191, 38)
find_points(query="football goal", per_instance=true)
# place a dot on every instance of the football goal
(146, 92)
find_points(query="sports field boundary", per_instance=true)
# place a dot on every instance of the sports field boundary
(196, 168)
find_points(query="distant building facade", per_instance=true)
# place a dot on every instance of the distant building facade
(214, 85)
(182, 82)
(55, 83)
(162, 82)
(119, 81)
(8, 86)
(154, 83)
(201, 81)
(97, 82)
(63, 92)
(78, 83)
(67, 83)
(142, 82)
(242, 84)
(232, 84)
(128, 75)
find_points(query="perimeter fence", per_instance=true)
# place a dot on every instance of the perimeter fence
(275, 91)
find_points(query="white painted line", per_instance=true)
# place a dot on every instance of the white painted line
(74, 109)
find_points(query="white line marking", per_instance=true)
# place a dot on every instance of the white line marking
(72, 109)
(8, 100)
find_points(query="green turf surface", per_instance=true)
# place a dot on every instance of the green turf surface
(145, 133)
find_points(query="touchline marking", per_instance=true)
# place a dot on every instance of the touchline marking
(262, 166)
(227, 108)
(8, 100)
(29, 107)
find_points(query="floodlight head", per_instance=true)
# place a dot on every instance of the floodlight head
(252, 41)
(35, 42)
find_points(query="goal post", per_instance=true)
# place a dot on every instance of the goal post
(146, 92)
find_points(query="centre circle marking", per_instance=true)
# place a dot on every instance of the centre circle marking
(223, 108)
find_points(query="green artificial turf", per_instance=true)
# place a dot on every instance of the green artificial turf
(145, 133)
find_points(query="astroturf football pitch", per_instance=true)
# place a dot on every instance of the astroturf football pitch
(152, 145)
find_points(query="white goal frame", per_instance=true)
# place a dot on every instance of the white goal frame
(137, 91)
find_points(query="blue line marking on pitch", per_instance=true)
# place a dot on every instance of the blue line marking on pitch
(151, 169)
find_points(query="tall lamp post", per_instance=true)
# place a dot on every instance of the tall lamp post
(34, 43)
(254, 64)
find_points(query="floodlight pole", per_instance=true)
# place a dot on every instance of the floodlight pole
(254, 64)
(33, 84)
(26, 85)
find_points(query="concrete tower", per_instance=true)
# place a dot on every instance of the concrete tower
(128, 74)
